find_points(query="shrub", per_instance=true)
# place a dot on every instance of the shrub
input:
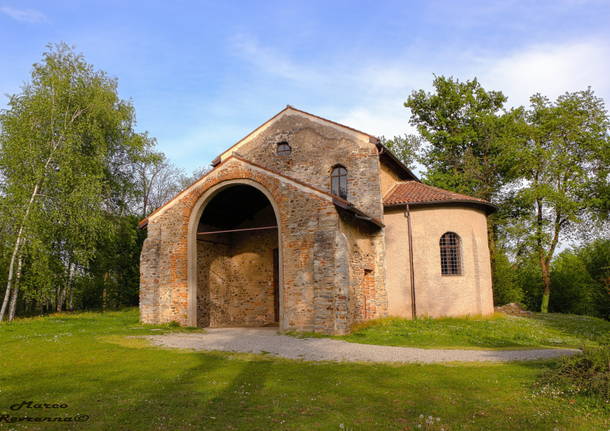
(587, 374)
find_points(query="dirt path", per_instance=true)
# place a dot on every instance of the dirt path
(267, 340)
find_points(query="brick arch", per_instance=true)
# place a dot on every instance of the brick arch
(205, 195)
(307, 242)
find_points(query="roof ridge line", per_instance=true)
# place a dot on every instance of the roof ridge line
(287, 108)
(142, 223)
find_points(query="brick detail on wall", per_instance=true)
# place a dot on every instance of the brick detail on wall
(312, 259)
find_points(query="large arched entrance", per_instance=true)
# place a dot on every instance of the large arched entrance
(237, 267)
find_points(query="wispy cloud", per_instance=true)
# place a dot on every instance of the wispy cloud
(371, 98)
(272, 62)
(550, 69)
(23, 15)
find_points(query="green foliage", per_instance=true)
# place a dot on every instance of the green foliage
(529, 280)
(91, 362)
(406, 148)
(505, 287)
(113, 278)
(580, 280)
(563, 166)
(74, 179)
(66, 147)
(587, 374)
(471, 138)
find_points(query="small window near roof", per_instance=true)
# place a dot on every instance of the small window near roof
(338, 181)
(283, 149)
(451, 254)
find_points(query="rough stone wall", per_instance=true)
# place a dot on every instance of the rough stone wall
(316, 149)
(308, 228)
(332, 271)
(437, 295)
(235, 274)
(235, 281)
(214, 272)
(149, 277)
(365, 251)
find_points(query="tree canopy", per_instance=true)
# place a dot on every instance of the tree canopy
(74, 172)
(546, 167)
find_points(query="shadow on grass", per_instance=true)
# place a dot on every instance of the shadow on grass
(126, 388)
(215, 393)
(259, 394)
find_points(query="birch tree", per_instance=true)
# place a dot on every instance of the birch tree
(57, 138)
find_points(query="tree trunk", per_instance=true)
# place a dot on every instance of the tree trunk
(61, 296)
(20, 239)
(71, 298)
(63, 292)
(13, 307)
(11, 270)
(7, 295)
(18, 243)
(546, 281)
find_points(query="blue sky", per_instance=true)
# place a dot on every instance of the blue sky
(203, 74)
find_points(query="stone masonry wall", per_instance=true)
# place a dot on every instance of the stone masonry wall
(308, 226)
(365, 245)
(214, 272)
(316, 149)
(328, 267)
(235, 281)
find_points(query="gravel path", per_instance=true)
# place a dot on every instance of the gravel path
(267, 340)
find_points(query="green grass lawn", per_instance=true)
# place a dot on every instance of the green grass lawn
(86, 362)
(495, 332)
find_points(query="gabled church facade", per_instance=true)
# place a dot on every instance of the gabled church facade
(311, 225)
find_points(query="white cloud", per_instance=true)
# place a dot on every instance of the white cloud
(371, 97)
(550, 70)
(270, 61)
(23, 15)
(541, 68)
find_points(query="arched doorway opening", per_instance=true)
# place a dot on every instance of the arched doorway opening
(237, 259)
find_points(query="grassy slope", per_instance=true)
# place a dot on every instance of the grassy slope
(86, 361)
(499, 331)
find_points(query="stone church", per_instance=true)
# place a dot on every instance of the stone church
(311, 225)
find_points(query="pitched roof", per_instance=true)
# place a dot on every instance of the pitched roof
(337, 201)
(414, 192)
(389, 158)
(277, 116)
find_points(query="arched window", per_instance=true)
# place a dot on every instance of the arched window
(283, 149)
(338, 181)
(451, 254)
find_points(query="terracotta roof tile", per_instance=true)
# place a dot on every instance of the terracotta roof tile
(414, 192)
